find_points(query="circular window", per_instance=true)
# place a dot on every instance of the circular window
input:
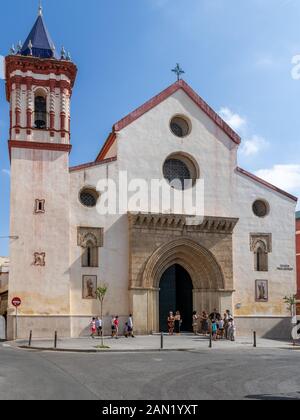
(88, 197)
(179, 170)
(180, 127)
(260, 208)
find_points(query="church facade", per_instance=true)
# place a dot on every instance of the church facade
(232, 251)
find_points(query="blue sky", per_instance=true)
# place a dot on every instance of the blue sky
(237, 55)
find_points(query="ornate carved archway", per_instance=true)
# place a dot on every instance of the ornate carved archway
(201, 265)
(203, 248)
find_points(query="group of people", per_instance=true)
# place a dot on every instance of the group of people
(214, 324)
(174, 323)
(96, 327)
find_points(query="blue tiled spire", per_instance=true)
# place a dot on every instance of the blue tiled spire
(38, 42)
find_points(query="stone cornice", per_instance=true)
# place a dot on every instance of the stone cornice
(208, 224)
(57, 147)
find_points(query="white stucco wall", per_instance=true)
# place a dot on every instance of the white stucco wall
(144, 145)
(281, 223)
(40, 175)
(113, 257)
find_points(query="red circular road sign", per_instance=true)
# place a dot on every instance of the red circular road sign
(16, 302)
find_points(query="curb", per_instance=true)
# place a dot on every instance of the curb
(53, 350)
(155, 350)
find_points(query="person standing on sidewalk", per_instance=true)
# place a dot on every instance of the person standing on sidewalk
(215, 315)
(125, 332)
(178, 323)
(195, 322)
(113, 327)
(214, 330)
(93, 327)
(231, 329)
(99, 326)
(117, 324)
(130, 326)
(204, 323)
(171, 323)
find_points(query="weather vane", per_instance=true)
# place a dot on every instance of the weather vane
(40, 8)
(178, 70)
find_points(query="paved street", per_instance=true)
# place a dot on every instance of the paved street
(204, 374)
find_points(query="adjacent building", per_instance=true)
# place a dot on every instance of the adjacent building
(298, 258)
(4, 273)
(229, 251)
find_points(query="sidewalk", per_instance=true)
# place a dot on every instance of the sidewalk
(184, 342)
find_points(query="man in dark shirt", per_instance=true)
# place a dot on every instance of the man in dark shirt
(215, 316)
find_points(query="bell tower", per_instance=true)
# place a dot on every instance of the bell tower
(39, 88)
(39, 85)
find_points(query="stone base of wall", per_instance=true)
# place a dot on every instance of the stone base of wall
(41, 326)
(66, 326)
(265, 327)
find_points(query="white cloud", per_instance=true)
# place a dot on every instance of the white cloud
(253, 146)
(6, 172)
(286, 177)
(235, 121)
(266, 62)
(2, 67)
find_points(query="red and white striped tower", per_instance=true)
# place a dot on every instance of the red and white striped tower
(39, 87)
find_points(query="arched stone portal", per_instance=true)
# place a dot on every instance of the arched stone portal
(204, 251)
(201, 266)
(176, 294)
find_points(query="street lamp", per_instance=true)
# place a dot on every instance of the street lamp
(9, 237)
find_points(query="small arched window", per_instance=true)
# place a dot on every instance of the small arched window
(261, 257)
(40, 112)
(90, 254)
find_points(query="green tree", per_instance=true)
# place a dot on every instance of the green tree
(291, 303)
(101, 293)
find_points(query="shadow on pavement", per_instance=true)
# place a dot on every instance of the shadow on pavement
(279, 397)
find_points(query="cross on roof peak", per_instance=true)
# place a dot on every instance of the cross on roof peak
(179, 71)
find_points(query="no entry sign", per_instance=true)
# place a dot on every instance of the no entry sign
(16, 302)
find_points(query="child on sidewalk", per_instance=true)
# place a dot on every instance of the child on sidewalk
(93, 327)
(214, 330)
(231, 329)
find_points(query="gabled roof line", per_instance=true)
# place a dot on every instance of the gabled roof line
(156, 100)
(266, 184)
(107, 145)
(92, 164)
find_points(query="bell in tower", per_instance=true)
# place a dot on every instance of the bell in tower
(40, 112)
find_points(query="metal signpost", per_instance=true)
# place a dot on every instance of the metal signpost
(16, 302)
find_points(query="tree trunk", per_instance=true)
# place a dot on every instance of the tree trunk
(102, 338)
